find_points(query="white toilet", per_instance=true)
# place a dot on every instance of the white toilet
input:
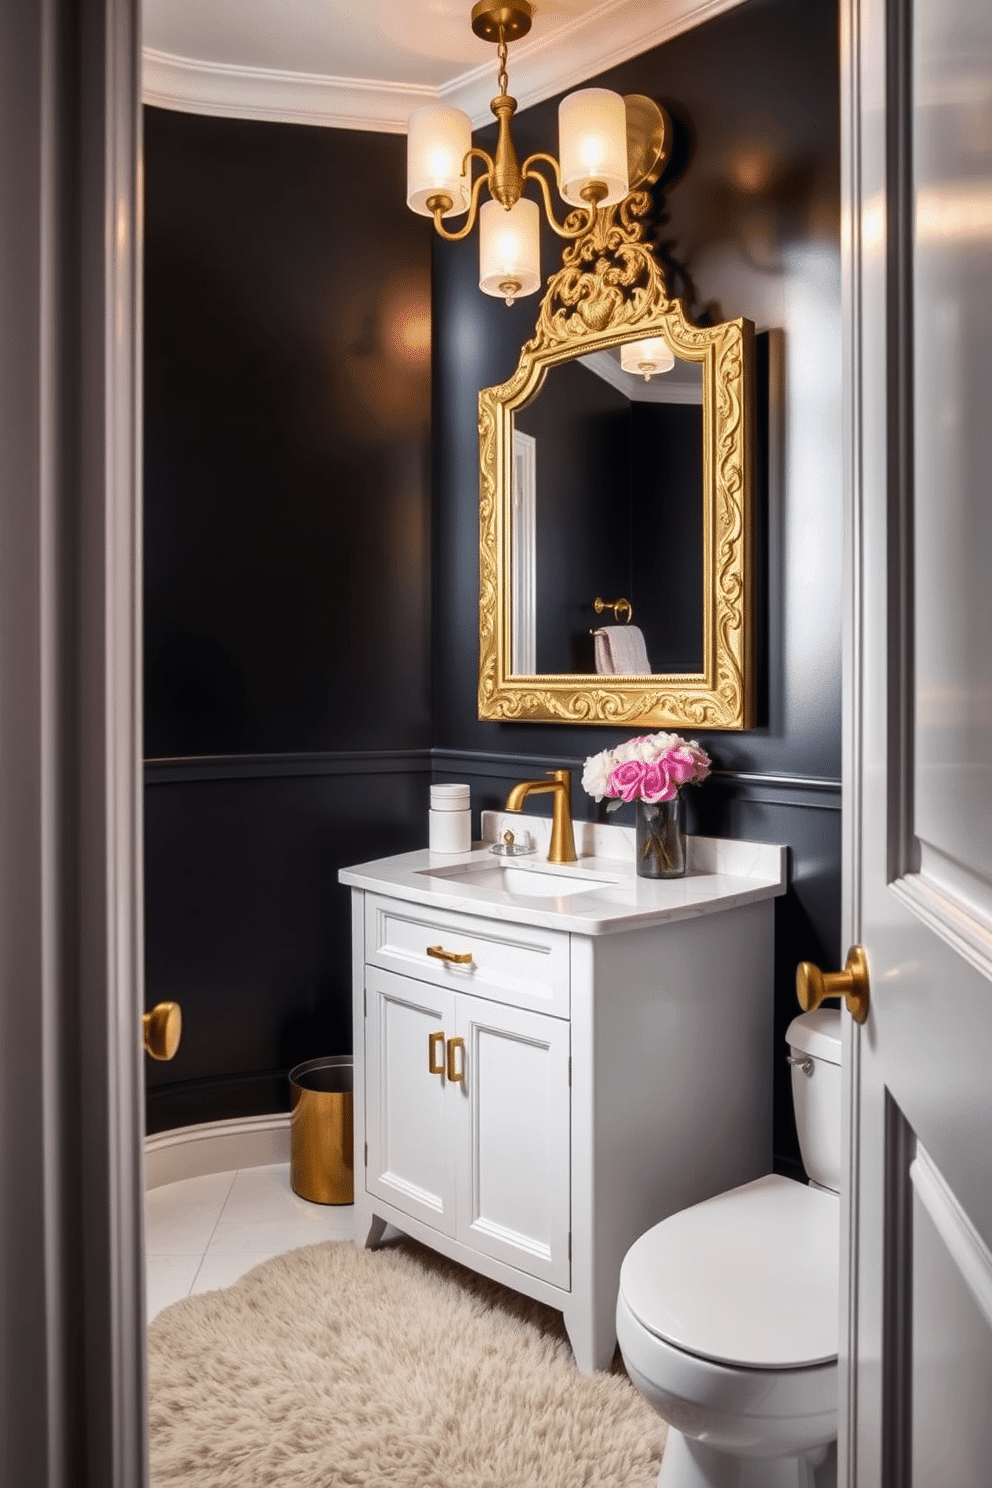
(728, 1312)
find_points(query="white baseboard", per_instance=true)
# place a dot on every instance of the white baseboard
(216, 1147)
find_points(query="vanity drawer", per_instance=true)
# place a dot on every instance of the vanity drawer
(522, 965)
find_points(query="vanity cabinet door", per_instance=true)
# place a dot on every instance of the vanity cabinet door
(411, 1119)
(513, 1181)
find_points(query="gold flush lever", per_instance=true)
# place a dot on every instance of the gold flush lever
(813, 985)
(163, 1028)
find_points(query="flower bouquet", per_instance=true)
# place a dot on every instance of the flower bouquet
(651, 771)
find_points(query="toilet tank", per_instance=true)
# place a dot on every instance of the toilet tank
(814, 1047)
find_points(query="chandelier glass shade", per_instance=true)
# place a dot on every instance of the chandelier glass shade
(438, 139)
(600, 135)
(510, 249)
(592, 146)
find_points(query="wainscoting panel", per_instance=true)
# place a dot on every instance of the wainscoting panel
(247, 926)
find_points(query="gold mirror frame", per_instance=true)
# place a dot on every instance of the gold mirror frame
(611, 289)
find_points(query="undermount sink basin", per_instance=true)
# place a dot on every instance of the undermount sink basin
(536, 882)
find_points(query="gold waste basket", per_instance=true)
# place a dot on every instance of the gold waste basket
(321, 1099)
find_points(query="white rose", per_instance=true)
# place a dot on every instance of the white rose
(630, 749)
(596, 774)
(647, 750)
(655, 745)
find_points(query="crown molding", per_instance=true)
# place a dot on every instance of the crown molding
(602, 38)
(611, 33)
(231, 92)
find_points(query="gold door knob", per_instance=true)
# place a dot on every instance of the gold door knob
(163, 1028)
(813, 985)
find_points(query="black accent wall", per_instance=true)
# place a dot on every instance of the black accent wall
(287, 584)
(311, 532)
(747, 218)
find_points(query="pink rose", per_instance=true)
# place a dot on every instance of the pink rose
(625, 780)
(681, 767)
(650, 767)
(656, 784)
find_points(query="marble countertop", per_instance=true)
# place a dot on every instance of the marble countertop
(599, 895)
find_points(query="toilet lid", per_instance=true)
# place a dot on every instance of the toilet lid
(748, 1278)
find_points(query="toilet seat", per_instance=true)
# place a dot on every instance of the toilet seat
(748, 1279)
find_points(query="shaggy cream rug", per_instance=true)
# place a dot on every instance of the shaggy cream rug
(383, 1369)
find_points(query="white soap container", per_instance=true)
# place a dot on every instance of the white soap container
(450, 819)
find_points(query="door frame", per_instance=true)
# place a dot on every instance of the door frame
(851, 709)
(876, 290)
(73, 1401)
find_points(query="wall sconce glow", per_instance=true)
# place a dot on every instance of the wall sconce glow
(608, 145)
(510, 249)
(647, 358)
(438, 139)
(592, 142)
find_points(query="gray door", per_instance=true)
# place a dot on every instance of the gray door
(916, 1384)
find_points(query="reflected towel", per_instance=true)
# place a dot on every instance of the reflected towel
(621, 652)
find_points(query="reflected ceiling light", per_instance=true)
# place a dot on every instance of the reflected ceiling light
(647, 358)
(608, 146)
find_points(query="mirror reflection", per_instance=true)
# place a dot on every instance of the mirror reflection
(607, 520)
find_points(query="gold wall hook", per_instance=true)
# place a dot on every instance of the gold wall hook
(813, 985)
(162, 1030)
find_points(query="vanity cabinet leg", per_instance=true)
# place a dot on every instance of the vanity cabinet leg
(369, 1227)
(375, 1232)
(593, 1335)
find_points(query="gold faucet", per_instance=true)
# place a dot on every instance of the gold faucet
(562, 849)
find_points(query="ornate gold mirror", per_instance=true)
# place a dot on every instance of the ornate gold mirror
(660, 491)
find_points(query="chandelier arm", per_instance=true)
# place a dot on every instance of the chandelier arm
(548, 160)
(477, 154)
(530, 174)
(473, 209)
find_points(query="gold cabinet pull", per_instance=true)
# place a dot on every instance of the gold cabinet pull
(162, 1029)
(435, 1041)
(460, 958)
(454, 1075)
(813, 985)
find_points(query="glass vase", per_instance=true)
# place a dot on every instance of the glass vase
(660, 839)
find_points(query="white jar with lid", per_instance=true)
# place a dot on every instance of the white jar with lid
(450, 819)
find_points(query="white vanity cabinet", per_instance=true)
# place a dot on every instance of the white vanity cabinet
(533, 1090)
(474, 1141)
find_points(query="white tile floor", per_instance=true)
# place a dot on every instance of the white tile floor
(205, 1233)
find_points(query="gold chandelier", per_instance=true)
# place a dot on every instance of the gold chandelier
(608, 147)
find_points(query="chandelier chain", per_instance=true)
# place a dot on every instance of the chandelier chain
(502, 77)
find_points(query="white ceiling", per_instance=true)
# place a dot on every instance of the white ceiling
(366, 64)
